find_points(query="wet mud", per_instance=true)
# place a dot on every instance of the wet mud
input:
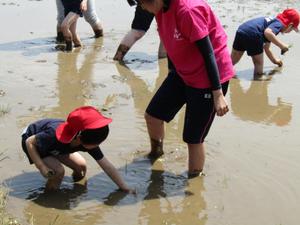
(252, 167)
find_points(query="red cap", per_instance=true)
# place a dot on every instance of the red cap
(82, 118)
(289, 16)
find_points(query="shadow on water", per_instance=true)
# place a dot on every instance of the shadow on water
(165, 196)
(150, 184)
(33, 47)
(253, 103)
(141, 60)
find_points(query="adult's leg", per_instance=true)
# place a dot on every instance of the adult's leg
(196, 159)
(236, 56)
(76, 162)
(60, 17)
(90, 16)
(139, 26)
(156, 133)
(165, 104)
(199, 117)
(54, 181)
(127, 42)
(258, 61)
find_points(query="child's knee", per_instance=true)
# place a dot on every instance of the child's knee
(59, 172)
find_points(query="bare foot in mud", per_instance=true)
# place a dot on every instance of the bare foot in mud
(261, 77)
(154, 155)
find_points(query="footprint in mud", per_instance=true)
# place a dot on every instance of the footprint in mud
(119, 78)
(41, 61)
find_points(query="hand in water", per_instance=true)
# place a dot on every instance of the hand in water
(284, 50)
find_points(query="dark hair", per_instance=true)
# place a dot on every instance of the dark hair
(94, 136)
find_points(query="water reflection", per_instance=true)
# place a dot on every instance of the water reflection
(74, 85)
(177, 202)
(142, 94)
(253, 104)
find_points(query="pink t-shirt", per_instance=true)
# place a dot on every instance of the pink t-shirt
(185, 22)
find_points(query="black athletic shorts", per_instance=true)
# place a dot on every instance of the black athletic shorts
(199, 113)
(243, 43)
(72, 6)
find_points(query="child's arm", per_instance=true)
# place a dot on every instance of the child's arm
(34, 155)
(114, 174)
(272, 38)
(271, 56)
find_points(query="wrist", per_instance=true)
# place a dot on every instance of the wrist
(217, 93)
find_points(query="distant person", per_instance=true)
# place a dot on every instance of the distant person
(73, 10)
(256, 35)
(139, 26)
(90, 15)
(196, 44)
(51, 143)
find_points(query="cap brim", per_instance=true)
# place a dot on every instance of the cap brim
(64, 133)
(99, 123)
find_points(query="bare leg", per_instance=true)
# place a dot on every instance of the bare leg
(258, 61)
(236, 56)
(65, 27)
(127, 42)
(77, 163)
(76, 39)
(54, 182)
(156, 133)
(196, 159)
(60, 18)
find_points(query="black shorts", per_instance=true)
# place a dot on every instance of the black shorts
(72, 6)
(243, 43)
(142, 19)
(200, 111)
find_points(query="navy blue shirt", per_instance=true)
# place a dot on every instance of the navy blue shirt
(47, 143)
(255, 28)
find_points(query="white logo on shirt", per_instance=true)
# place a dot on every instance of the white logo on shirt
(207, 95)
(268, 19)
(177, 35)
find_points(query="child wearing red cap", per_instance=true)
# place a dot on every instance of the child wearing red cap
(52, 143)
(256, 36)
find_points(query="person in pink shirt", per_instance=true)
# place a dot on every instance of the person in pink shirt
(200, 68)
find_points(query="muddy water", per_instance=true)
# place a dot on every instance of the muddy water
(252, 154)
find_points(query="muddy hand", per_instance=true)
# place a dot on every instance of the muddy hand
(50, 174)
(284, 50)
(279, 63)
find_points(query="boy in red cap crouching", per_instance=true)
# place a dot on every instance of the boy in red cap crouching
(52, 143)
(256, 35)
